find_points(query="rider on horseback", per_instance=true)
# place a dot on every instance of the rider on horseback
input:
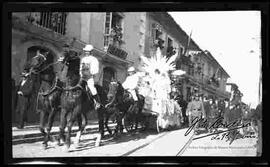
(89, 67)
(131, 83)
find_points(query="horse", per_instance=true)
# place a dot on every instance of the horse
(125, 106)
(104, 114)
(42, 77)
(75, 103)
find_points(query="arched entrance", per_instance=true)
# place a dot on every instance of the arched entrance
(108, 74)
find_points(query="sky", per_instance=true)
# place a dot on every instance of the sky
(233, 38)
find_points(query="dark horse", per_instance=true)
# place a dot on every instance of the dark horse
(75, 103)
(49, 95)
(41, 76)
(126, 108)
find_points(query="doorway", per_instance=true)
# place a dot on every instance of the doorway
(108, 75)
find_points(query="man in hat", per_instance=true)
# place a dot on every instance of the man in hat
(89, 67)
(131, 82)
(195, 110)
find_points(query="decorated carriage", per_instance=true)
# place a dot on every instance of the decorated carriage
(159, 111)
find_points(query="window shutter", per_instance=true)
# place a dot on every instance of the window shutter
(108, 22)
(107, 29)
(153, 31)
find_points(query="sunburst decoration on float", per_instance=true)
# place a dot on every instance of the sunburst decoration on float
(160, 63)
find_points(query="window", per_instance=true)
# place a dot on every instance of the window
(170, 48)
(170, 42)
(113, 29)
(181, 50)
(55, 21)
(209, 70)
(157, 35)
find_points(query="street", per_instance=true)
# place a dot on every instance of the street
(150, 143)
(167, 143)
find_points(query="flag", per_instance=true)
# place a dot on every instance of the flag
(215, 75)
(189, 38)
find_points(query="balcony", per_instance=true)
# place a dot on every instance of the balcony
(112, 49)
(55, 21)
(113, 42)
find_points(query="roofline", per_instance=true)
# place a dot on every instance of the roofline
(211, 56)
(178, 27)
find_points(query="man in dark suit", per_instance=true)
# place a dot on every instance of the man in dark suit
(23, 102)
(207, 108)
(183, 104)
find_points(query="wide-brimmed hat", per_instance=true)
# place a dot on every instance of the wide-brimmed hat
(88, 48)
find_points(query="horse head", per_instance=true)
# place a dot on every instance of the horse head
(116, 91)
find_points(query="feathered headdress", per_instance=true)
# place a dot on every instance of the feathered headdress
(160, 63)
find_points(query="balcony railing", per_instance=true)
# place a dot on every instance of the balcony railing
(55, 21)
(117, 51)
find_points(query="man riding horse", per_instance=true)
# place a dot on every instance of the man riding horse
(131, 83)
(89, 67)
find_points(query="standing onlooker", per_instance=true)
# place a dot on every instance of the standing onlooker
(195, 110)
(24, 94)
(207, 108)
(183, 104)
(221, 107)
(213, 114)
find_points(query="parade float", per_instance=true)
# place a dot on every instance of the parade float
(156, 87)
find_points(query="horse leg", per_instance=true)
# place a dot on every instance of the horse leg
(50, 123)
(79, 120)
(106, 124)
(138, 117)
(83, 122)
(101, 114)
(63, 123)
(43, 120)
(121, 126)
(69, 126)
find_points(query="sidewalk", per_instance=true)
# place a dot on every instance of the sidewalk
(31, 133)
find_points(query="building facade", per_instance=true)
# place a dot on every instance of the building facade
(203, 73)
(119, 39)
(112, 34)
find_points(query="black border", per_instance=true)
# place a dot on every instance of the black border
(128, 7)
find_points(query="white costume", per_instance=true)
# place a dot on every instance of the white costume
(89, 67)
(131, 83)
